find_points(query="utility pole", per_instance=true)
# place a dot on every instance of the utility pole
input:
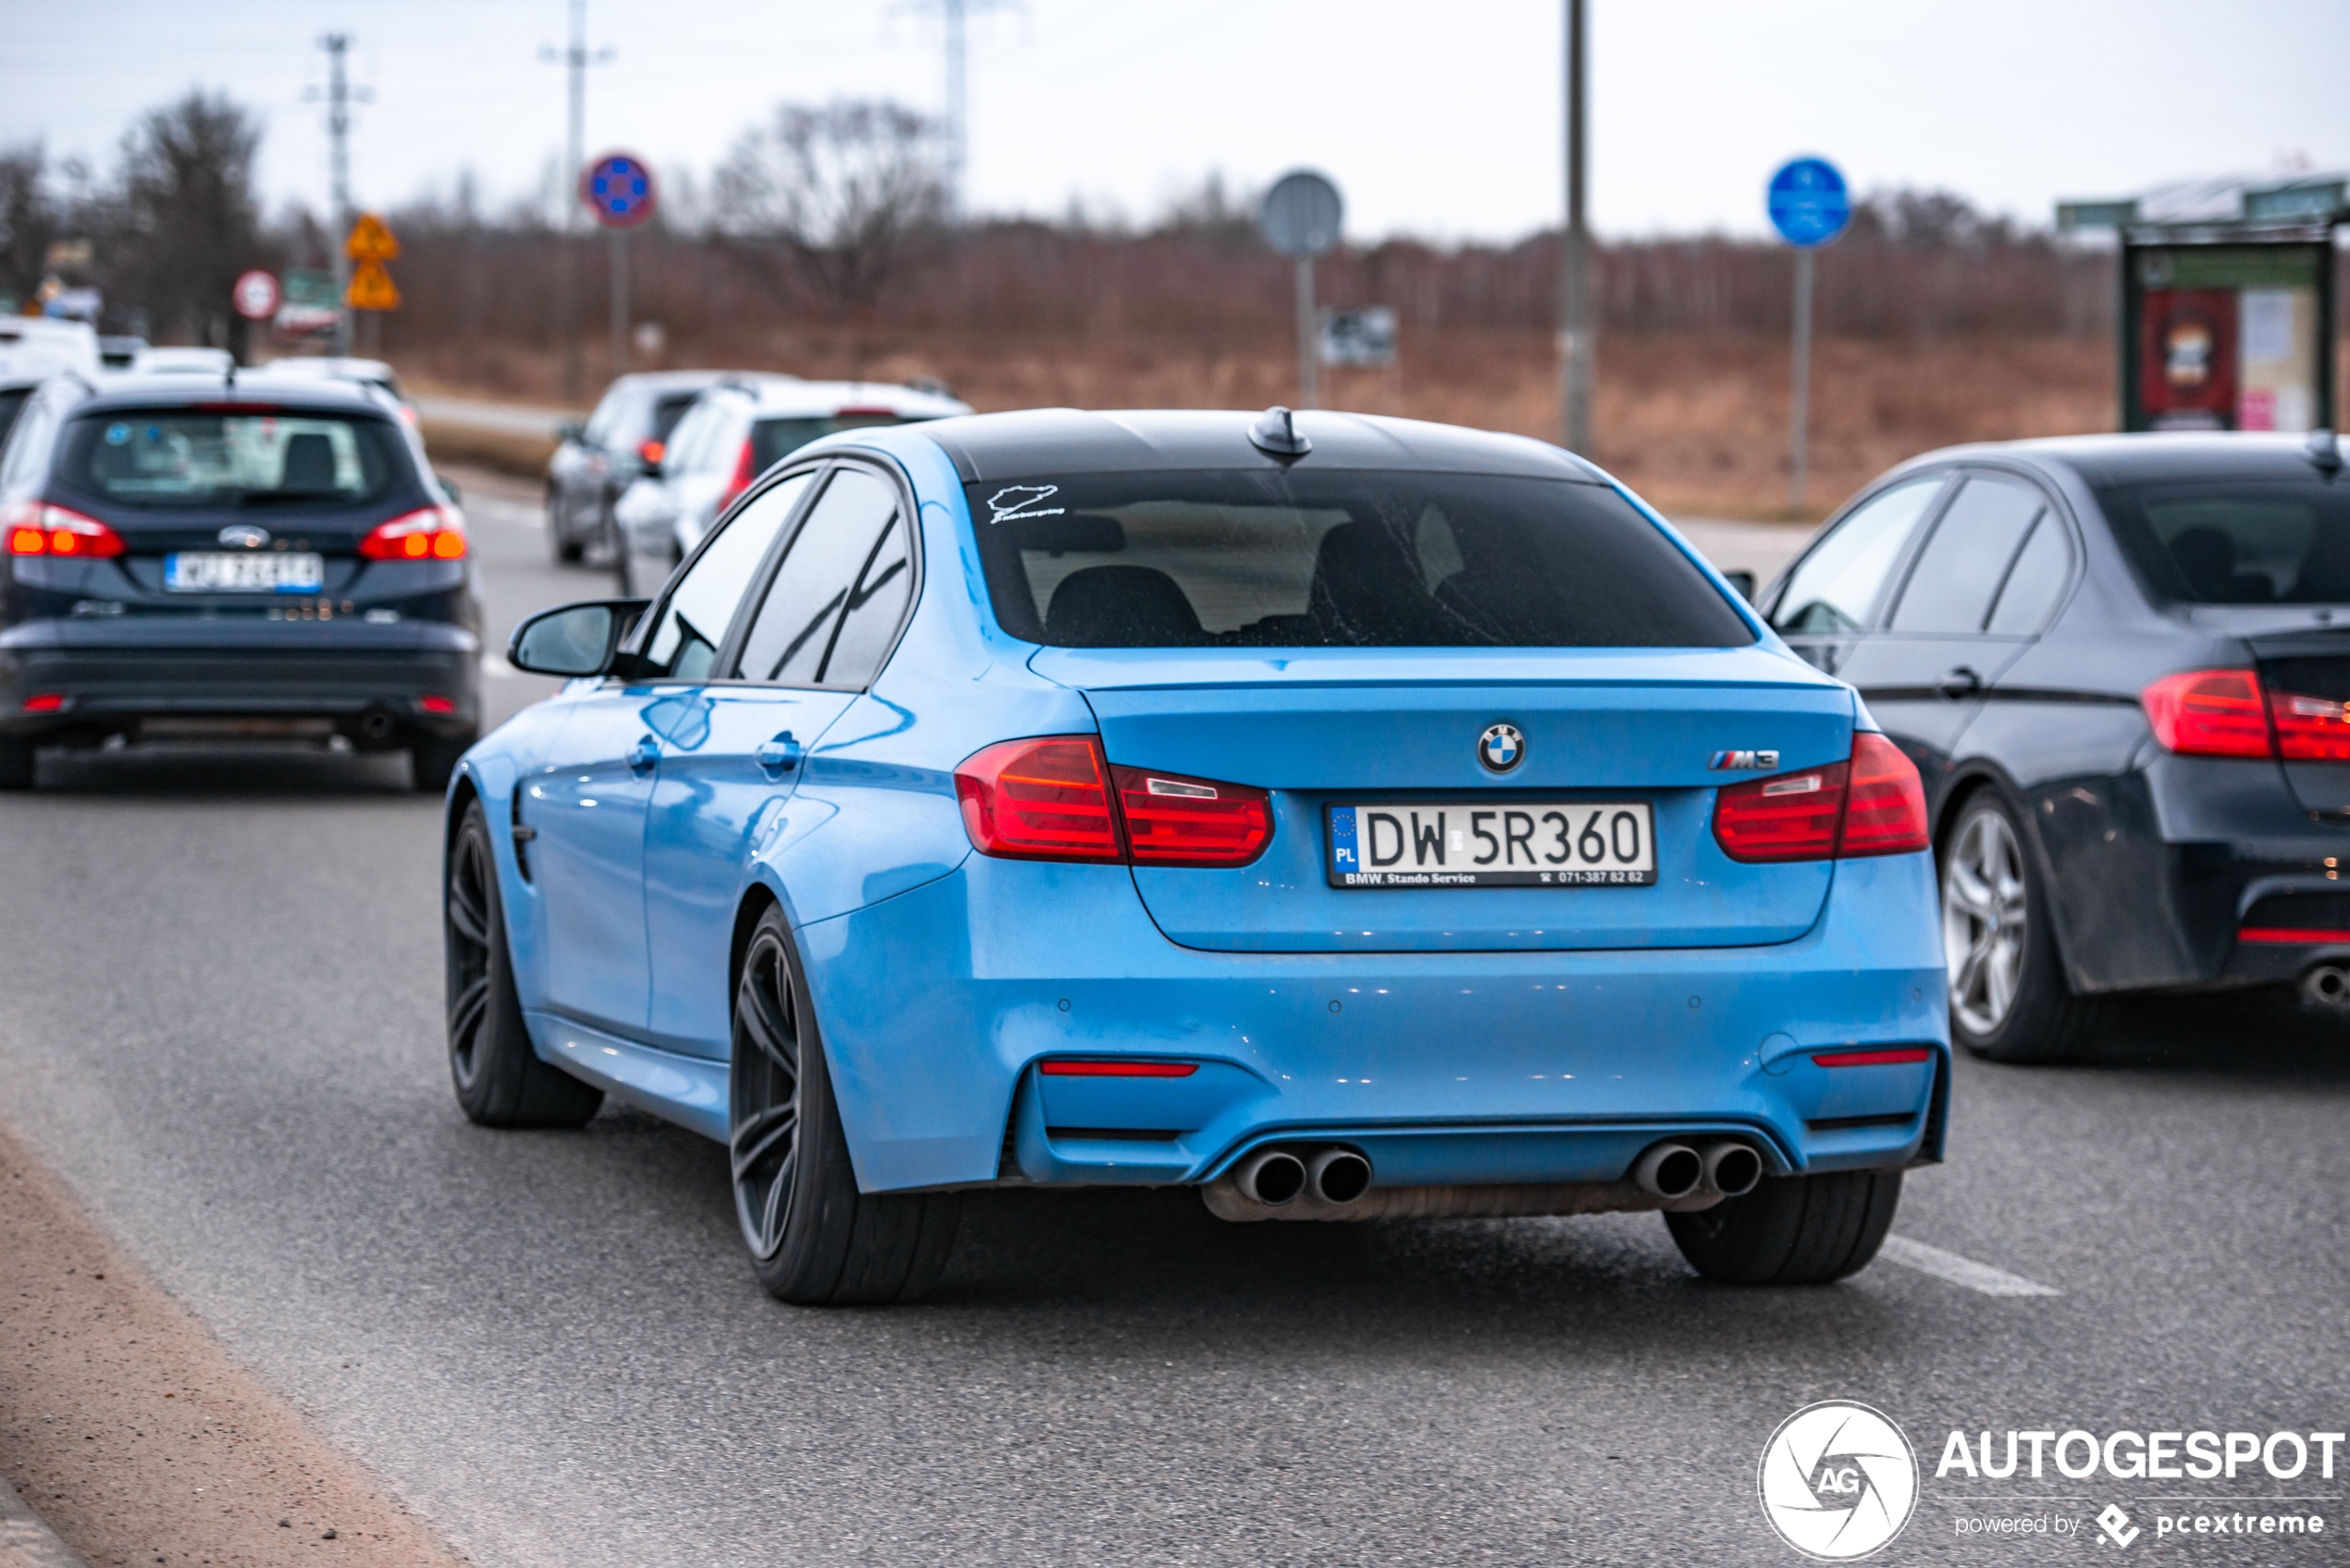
(337, 46)
(575, 59)
(1578, 341)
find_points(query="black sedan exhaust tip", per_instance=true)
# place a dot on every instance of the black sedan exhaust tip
(2326, 985)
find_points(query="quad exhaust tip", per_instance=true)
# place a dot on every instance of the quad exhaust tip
(1273, 1176)
(1726, 1167)
(1340, 1176)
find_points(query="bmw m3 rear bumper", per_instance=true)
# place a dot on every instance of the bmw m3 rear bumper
(977, 1027)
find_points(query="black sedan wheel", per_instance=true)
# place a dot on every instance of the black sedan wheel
(500, 1082)
(2008, 1001)
(814, 1239)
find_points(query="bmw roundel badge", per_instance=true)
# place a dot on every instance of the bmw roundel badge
(1501, 747)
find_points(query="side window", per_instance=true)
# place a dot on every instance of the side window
(685, 440)
(694, 620)
(1835, 587)
(1959, 571)
(28, 445)
(849, 559)
(2035, 581)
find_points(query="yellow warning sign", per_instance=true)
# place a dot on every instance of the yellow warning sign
(371, 241)
(372, 288)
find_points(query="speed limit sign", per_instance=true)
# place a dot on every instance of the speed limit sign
(256, 295)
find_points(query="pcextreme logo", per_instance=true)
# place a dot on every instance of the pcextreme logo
(1838, 1480)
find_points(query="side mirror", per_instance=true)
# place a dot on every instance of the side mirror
(571, 430)
(1744, 582)
(575, 640)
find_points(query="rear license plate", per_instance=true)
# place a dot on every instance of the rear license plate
(217, 571)
(1481, 843)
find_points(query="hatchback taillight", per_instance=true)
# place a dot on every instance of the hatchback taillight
(433, 532)
(1057, 798)
(34, 527)
(744, 475)
(1872, 804)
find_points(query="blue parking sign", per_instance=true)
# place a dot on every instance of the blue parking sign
(1809, 202)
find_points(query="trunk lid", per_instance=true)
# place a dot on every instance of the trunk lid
(1402, 728)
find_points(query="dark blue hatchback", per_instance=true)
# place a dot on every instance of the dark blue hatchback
(192, 558)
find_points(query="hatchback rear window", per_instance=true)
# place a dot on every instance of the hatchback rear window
(185, 457)
(774, 439)
(1337, 559)
(2241, 542)
(12, 401)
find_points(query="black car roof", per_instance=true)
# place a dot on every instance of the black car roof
(258, 389)
(1069, 440)
(2139, 459)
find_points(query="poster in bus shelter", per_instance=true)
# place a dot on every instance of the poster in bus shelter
(2228, 337)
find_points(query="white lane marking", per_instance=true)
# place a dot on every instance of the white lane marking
(1960, 1271)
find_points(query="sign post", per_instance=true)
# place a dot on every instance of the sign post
(1301, 220)
(618, 188)
(1810, 205)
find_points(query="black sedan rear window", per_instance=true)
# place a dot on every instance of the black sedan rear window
(187, 457)
(1336, 559)
(2236, 542)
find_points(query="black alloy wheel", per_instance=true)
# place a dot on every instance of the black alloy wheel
(814, 1237)
(499, 1079)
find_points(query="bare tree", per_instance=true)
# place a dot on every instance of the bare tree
(188, 219)
(835, 203)
(28, 219)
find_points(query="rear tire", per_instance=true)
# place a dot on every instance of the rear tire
(432, 759)
(499, 1079)
(560, 543)
(1791, 1229)
(2009, 1000)
(814, 1239)
(16, 765)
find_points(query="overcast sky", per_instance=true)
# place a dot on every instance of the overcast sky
(1439, 120)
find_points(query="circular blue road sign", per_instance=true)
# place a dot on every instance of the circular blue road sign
(1809, 202)
(618, 189)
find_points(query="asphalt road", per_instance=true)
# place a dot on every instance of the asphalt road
(221, 1022)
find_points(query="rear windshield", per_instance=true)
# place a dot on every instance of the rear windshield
(1337, 559)
(2236, 542)
(772, 440)
(183, 457)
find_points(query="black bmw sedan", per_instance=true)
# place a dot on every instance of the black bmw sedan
(2120, 664)
(190, 557)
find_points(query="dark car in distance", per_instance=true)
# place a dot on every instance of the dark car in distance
(190, 557)
(597, 460)
(2121, 665)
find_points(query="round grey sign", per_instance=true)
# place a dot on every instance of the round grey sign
(1302, 214)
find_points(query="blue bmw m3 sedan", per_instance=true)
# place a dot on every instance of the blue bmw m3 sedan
(1350, 818)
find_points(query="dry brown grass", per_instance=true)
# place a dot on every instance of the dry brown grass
(1696, 422)
(501, 450)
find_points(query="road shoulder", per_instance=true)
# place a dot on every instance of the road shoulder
(129, 1430)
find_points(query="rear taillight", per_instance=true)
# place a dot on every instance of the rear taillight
(434, 533)
(1872, 804)
(1051, 799)
(1884, 802)
(1173, 821)
(2209, 713)
(35, 528)
(744, 475)
(2230, 713)
(1040, 800)
(1791, 816)
(2309, 729)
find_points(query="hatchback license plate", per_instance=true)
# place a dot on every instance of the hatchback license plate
(215, 571)
(1481, 844)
